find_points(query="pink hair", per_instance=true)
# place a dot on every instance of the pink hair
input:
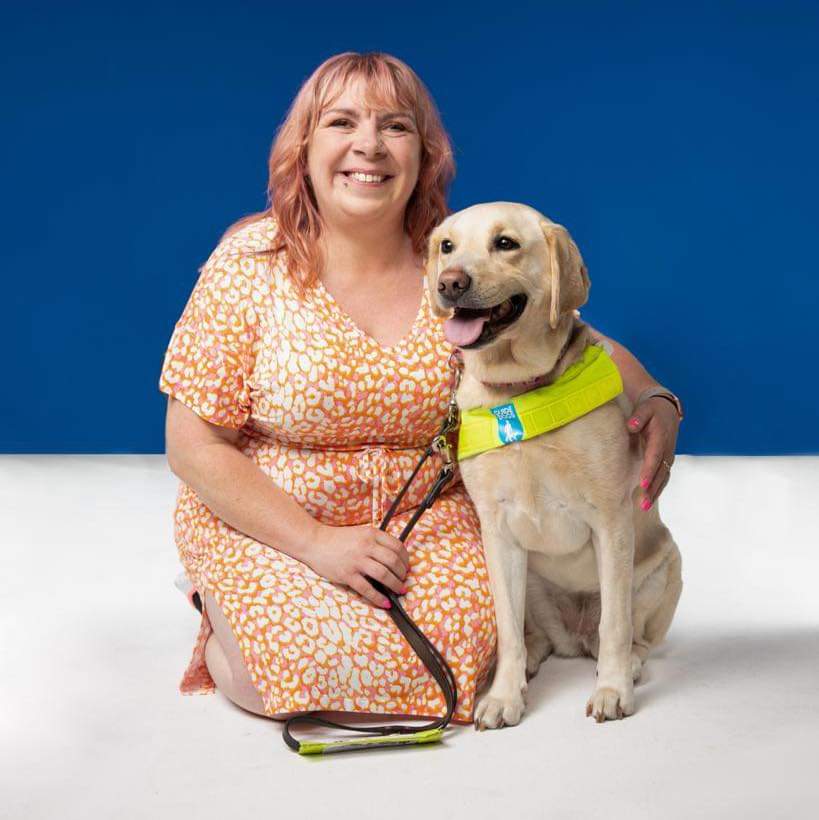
(391, 84)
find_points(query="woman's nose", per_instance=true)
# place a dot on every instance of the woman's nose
(369, 141)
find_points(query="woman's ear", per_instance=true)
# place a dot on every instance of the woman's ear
(431, 266)
(569, 278)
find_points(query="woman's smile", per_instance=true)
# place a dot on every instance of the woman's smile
(366, 179)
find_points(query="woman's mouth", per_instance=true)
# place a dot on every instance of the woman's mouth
(367, 180)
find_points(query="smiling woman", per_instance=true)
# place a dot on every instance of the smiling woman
(309, 362)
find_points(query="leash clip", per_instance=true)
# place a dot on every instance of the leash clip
(441, 445)
(452, 418)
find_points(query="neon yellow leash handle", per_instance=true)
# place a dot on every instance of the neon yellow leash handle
(327, 747)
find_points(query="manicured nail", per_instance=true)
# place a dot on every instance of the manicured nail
(644, 483)
(645, 504)
(386, 604)
(404, 590)
(634, 421)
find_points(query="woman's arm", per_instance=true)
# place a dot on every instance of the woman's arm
(206, 458)
(635, 377)
(235, 489)
(656, 418)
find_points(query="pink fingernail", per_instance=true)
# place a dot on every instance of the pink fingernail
(634, 422)
(644, 483)
(645, 504)
(386, 604)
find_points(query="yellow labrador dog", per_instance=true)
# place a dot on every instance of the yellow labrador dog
(575, 566)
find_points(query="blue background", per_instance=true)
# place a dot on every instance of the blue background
(677, 143)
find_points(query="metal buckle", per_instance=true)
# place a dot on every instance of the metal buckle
(441, 445)
(452, 416)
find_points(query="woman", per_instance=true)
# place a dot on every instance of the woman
(305, 377)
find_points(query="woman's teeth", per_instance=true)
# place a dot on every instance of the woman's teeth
(365, 177)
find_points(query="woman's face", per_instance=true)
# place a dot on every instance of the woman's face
(363, 164)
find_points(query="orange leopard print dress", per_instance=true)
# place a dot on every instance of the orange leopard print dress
(338, 422)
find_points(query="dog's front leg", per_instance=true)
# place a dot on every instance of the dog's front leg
(503, 703)
(614, 549)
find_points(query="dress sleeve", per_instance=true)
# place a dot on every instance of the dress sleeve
(211, 354)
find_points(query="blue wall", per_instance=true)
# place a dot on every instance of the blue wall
(677, 143)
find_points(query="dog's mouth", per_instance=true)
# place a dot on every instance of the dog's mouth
(470, 328)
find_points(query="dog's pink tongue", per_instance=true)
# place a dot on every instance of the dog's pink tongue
(460, 332)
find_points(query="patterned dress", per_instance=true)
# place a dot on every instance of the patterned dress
(338, 422)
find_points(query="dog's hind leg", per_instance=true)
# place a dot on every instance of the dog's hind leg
(538, 645)
(659, 621)
(538, 648)
(655, 603)
(545, 633)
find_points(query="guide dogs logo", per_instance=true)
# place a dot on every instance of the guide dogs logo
(510, 428)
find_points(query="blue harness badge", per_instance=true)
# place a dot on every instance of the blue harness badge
(510, 428)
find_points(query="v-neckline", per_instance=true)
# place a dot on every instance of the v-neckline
(334, 305)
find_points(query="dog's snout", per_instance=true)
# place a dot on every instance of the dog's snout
(453, 283)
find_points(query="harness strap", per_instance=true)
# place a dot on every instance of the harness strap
(589, 383)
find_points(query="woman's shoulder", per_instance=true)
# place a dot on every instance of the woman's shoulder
(247, 254)
(254, 236)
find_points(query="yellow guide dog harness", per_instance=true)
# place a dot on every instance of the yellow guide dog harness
(586, 385)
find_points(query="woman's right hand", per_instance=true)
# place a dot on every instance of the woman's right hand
(347, 555)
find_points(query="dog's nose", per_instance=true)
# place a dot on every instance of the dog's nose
(453, 283)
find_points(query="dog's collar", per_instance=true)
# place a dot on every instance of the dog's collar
(536, 381)
(589, 383)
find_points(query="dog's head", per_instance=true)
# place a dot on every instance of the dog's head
(501, 269)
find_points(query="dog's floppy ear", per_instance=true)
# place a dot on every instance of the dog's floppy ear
(569, 276)
(431, 267)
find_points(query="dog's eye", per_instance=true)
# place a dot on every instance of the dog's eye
(504, 243)
(447, 246)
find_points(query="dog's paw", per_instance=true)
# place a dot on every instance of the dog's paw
(636, 667)
(608, 703)
(494, 713)
(538, 648)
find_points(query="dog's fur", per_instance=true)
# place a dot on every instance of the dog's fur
(565, 541)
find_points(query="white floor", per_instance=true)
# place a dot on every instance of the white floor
(94, 638)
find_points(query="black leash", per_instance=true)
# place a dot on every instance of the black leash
(379, 737)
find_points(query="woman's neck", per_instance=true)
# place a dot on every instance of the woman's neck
(366, 255)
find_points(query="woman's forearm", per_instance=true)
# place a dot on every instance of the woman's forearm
(635, 377)
(236, 490)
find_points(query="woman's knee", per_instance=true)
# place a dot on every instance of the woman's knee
(224, 660)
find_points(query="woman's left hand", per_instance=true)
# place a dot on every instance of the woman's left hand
(656, 419)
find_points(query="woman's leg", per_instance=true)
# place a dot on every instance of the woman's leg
(227, 668)
(225, 662)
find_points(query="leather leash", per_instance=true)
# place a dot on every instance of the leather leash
(380, 737)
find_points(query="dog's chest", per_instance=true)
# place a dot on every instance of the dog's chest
(547, 527)
(525, 505)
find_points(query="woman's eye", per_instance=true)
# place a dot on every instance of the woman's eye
(401, 126)
(504, 243)
(340, 122)
(447, 246)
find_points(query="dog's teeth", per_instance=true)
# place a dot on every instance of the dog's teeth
(503, 309)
